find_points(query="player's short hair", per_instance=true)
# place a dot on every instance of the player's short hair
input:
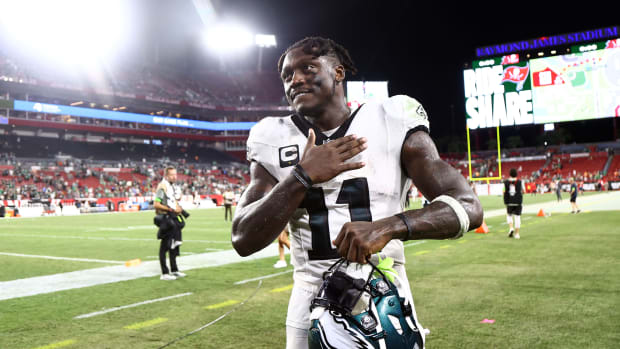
(168, 168)
(513, 172)
(318, 46)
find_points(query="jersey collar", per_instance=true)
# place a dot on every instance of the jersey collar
(304, 126)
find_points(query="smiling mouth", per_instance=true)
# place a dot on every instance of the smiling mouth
(300, 93)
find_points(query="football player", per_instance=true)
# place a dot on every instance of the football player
(513, 199)
(338, 177)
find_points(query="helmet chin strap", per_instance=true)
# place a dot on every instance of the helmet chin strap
(260, 283)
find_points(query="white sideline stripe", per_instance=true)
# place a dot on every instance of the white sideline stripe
(414, 243)
(262, 277)
(135, 227)
(84, 316)
(61, 258)
(106, 238)
(116, 273)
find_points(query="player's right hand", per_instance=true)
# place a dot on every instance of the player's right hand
(326, 161)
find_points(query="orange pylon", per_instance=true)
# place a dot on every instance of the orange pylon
(541, 213)
(483, 229)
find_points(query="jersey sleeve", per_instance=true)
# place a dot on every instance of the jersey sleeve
(259, 147)
(408, 114)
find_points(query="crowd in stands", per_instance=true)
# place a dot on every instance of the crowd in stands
(41, 168)
(544, 169)
(207, 88)
(105, 148)
(77, 179)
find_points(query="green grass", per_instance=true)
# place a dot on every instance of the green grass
(557, 287)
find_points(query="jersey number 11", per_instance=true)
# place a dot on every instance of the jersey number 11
(353, 192)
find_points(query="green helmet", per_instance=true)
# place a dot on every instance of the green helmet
(384, 319)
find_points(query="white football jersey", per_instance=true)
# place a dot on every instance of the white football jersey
(373, 192)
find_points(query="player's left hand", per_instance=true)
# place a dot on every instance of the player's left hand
(357, 240)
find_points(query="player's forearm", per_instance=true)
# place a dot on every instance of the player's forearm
(258, 223)
(437, 220)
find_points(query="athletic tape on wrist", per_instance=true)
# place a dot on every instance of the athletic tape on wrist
(461, 214)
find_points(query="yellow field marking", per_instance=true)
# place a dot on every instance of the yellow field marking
(58, 344)
(221, 305)
(461, 241)
(421, 252)
(445, 246)
(282, 289)
(144, 324)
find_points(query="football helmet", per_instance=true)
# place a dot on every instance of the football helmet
(357, 306)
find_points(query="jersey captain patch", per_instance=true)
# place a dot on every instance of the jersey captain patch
(289, 155)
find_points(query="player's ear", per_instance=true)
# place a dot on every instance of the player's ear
(339, 73)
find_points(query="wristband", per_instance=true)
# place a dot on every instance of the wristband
(409, 230)
(302, 176)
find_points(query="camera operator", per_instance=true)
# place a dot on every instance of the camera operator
(170, 220)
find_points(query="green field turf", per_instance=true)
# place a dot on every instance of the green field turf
(556, 287)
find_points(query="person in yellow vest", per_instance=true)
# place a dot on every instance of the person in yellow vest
(170, 224)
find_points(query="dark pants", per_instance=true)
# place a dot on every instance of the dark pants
(164, 247)
(173, 233)
(227, 211)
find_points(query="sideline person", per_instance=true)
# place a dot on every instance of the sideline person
(513, 199)
(171, 223)
(574, 191)
(229, 197)
(283, 240)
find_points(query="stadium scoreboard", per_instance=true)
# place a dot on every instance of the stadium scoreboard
(360, 92)
(514, 89)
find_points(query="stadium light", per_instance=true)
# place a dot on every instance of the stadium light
(265, 40)
(67, 33)
(228, 38)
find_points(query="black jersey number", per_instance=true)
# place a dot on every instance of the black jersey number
(353, 192)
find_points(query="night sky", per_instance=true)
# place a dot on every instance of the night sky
(419, 49)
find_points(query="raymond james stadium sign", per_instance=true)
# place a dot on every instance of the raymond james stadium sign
(550, 41)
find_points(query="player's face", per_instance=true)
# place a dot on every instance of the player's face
(309, 82)
(171, 176)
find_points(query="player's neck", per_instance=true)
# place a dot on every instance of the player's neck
(331, 117)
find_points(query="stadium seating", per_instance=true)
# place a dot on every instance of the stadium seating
(613, 173)
(157, 83)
